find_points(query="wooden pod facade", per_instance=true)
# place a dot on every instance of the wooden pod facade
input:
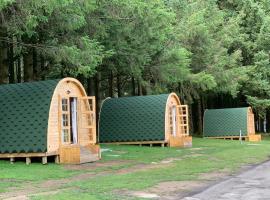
(230, 123)
(145, 120)
(48, 118)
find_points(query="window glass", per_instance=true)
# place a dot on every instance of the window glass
(64, 120)
(64, 105)
(65, 135)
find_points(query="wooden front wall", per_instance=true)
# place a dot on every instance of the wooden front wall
(173, 100)
(251, 123)
(182, 137)
(66, 87)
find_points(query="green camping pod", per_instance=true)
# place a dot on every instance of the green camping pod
(48, 118)
(144, 120)
(229, 123)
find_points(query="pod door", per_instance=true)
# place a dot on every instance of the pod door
(68, 120)
(76, 129)
(87, 120)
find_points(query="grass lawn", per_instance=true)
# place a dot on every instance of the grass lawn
(138, 168)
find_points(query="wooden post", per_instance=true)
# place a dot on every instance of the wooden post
(44, 160)
(56, 159)
(162, 145)
(28, 160)
(12, 160)
(151, 145)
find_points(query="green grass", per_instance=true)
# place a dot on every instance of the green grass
(206, 156)
(16, 175)
(34, 172)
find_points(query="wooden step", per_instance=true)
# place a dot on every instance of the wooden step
(86, 155)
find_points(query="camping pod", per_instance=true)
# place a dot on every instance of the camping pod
(230, 123)
(154, 119)
(48, 118)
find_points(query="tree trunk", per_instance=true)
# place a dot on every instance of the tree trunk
(19, 71)
(139, 89)
(97, 90)
(144, 90)
(42, 68)
(28, 66)
(111, 84)
(4, 66)
(11, 64)
(261, 125)
(190, 116)
(133, 86)
(91, 86)
(200, 125)
(35, 65)
(98, 98)
(268, 121)
(119, 89)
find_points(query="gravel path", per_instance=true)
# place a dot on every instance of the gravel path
(253, 184)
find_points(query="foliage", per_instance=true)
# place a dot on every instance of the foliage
(201, 50)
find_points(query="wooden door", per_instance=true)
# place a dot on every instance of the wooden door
(87, 120)
(64, 121)
(68, 151)
(183, 122)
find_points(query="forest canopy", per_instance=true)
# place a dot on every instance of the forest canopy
(213, 53)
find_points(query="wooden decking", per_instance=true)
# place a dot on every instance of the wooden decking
(185, 141)
(249, 138)
(141, 143)
(28, 156)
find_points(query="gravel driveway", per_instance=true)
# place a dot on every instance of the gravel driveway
(250, 185)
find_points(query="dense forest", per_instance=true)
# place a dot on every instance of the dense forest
(213, 53)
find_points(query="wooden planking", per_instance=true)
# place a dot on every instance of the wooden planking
(87, 108)
(95, 149)
(66, 88)
(89, 154)
(250, 138)
(24, 155)
(182, 138)
(254, 138)
(70, 154)
(185, 141)
(173, 100)
(250, 122)
(138, 142)
(183, 121)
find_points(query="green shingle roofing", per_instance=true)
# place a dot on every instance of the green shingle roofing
(130, 119)
(225, 122)
(24, 111)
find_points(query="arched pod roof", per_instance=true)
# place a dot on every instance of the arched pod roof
(24, 112)
(226, 122)
(128, 119)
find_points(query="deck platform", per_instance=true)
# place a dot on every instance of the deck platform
(249, 138)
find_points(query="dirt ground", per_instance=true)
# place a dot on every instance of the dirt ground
(165, 190)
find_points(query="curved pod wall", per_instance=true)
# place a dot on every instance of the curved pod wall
(48, 118)
(229, 122)
(144, 120)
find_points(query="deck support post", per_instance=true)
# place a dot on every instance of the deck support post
(151, 145)
(162, 145)
(57, 159)
(44, 160)
(28, 160)
(12, 160)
